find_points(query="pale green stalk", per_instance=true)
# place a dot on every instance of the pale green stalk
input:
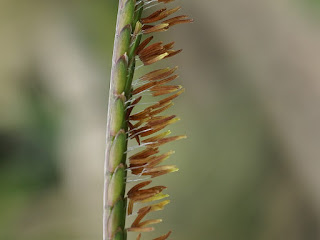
(123, 64)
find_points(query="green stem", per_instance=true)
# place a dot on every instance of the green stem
(120, 90)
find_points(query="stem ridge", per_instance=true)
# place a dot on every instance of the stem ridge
(114, 214)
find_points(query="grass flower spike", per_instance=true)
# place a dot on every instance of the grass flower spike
(146, 127)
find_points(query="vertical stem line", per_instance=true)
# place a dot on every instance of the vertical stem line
(114, 204)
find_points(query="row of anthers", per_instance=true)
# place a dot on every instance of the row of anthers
(148, 121)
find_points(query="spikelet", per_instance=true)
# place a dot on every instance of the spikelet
(145, 126)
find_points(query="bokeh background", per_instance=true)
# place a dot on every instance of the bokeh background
(250, 167)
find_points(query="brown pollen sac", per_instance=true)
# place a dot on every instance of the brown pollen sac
(160, 121)
(141, 161)
(139, 229)
(155, 59)
(173, 53)
(161, 27)
(160, 169)
(156, 52)
(166, 90)
(153, 15)
(140, 217)
(145, 52)
(157, 137)
(167, 80)
(165, 100)
(165, 75)
(147, 126)
(169, 46)
(156, 106)
(164, 237)
(158, 74)
(138, 186)
(154, 86)
(153, 191)
(143, 88)
(155, 207)
(139, 131)
(159, 159)
(178, 20)
(130, 207)
(134, 132)
(140, 115)
(132, 105)
(149, 222)
(167, 140)
(142, 197)
(146, 153)
(160, 173)
(158, 128)
(143, 44)
(159, 15)
(160, 110)
(142, 121)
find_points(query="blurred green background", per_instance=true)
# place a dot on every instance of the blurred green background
(250, 166)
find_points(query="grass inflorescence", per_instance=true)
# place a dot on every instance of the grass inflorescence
(147, 126)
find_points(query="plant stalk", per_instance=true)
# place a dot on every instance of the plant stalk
(114, 203)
